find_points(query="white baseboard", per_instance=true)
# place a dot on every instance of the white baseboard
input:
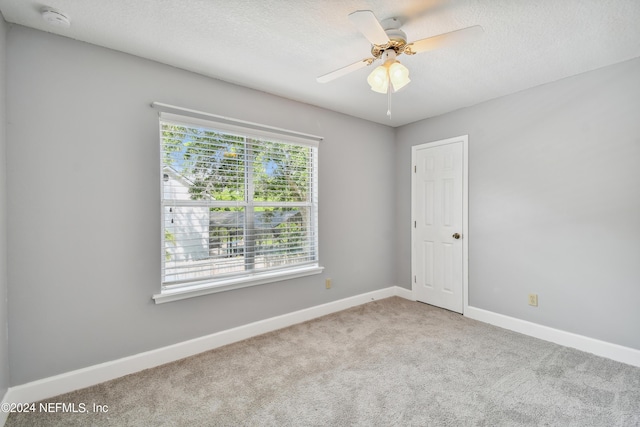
(3, 414)
(81, 378)
(615, 352)
(404, 293)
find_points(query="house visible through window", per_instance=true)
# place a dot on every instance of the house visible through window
(236, 208)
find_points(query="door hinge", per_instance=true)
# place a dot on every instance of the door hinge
(415, 279)
(415, 224)
(415, 169)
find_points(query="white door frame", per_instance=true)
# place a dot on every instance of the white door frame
(464, 139)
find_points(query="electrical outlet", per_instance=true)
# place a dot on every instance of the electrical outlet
(327, 283)
(533, 300)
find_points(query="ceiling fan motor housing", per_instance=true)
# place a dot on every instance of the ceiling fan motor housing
(396, 34)
(397, 45)
(397, 38)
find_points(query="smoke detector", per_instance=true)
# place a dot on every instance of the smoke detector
(55, 18)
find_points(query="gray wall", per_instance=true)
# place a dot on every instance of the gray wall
(4, 351)
(554, 202)
(84, 199)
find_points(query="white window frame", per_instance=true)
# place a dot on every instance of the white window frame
(190, 117)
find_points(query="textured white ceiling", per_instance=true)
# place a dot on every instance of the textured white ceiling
(281, 46)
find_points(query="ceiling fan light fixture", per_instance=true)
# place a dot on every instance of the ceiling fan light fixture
(391, 72)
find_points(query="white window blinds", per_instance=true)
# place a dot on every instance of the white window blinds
(235, 204)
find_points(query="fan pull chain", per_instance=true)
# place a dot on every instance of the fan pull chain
(389, 101)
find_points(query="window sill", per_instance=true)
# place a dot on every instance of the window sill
(230, 284)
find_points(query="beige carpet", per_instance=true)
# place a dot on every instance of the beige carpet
(388, 363)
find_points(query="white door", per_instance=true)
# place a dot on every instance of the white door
(439, 223)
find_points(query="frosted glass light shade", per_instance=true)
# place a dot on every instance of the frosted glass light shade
(391, 72)
(399, 75)
(379, 79)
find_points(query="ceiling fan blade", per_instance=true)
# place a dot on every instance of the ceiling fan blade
(369, 26)
(344, 70)
(442, 40)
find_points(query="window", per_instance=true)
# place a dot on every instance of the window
(238, 208)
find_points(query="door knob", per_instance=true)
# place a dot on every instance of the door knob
(456, 235)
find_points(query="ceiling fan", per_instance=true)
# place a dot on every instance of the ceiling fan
(388, 42)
